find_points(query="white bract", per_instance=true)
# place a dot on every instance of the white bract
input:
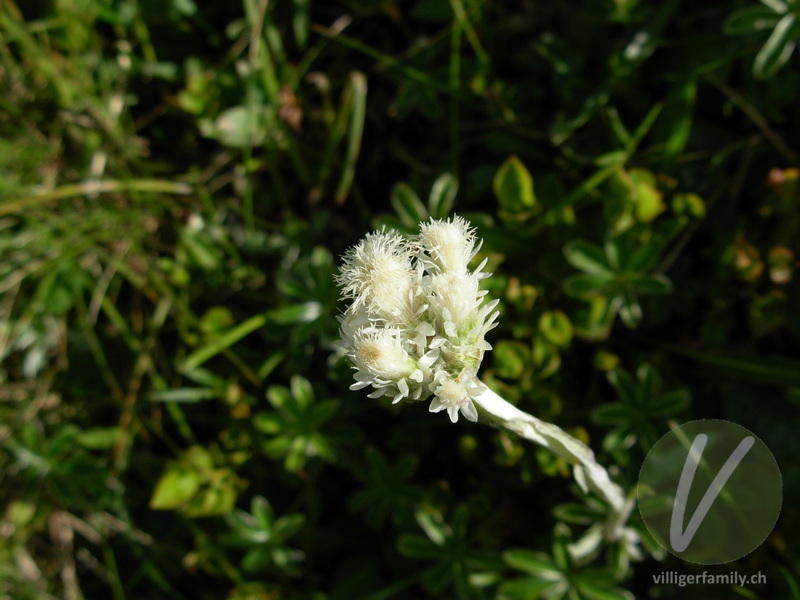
(417, 320)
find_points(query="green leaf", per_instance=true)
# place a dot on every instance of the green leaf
(287, 526)
(356, 94)
(779, 6)
(773, 370)
(645, 195)
(631, 311)
(652, 284)
(301, 391)
(279, 396)
(304, 312)
(175, 488)
(510, 359)
(624, 385)
(513, 186)
(534, 563)
(527, 588)
(442, 196)
(216, 500)
(239, 127)
(591, 591)
(262, 512)
(777, 50)
(675, 124)
(573, 512)
(587, 257)
(690, 205)
(98, 438)
(750, 20)
(579, 286)
(407, 205)
(417, 546)
(223, 342)
(184, 395)
(556, 327)
(610, 414)
(433, 526)
(670, 403)
(300, 22)
(268, 423)
(644, 257)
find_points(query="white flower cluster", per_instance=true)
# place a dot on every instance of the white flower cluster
(417, 320)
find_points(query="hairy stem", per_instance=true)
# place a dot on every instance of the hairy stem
(589, 474)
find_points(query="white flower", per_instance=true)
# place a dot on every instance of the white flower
(417, 320)
(456, 395)
(378, 274)
(449, 245)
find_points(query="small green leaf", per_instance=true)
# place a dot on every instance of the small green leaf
(279, 396)
(645, 195)
(526, 588)
(301, 391)
(631, 311)
(175, 488)
(184, 395)
(610, 414)
(556, 327)
(579, 286)
(587, 257)
(417, 546)
(750, 20)
(652, 284)
(510, 358)
(239, 127)
(98, 438)
(573, 512)
(268, 423)
(670, 403)
(442, 196)
(223, 342)
(623, 384)
(513, 186)
(285, 527)
(777, 49)
(303, 312)
(433, 526)
(300, 22)
(592, 591)
(534, 563)
(408, 205)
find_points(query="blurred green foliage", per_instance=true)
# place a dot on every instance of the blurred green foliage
(176, 181)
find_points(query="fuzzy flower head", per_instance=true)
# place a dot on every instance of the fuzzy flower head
(416, 323)
(377, 274)
(449, 245)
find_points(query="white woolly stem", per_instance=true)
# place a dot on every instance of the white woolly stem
(589, 474)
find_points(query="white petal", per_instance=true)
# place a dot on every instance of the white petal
(453, 412)
(436, 405)
(425, 328)
(469, 412)
(403, 387)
